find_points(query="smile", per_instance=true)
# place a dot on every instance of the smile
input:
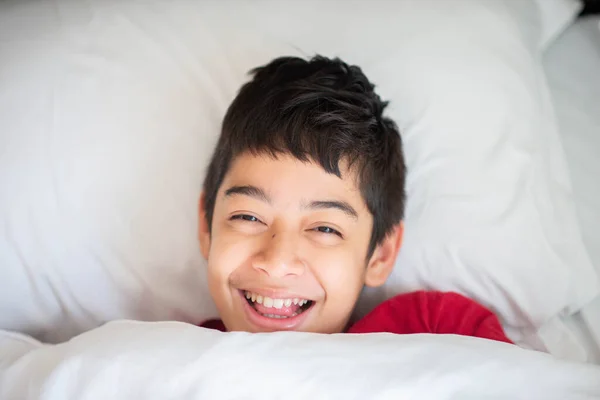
(277, 308)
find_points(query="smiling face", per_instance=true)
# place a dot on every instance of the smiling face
(288, 246)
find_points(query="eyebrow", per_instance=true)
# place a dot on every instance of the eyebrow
(260, 194)
(250, 191)
(333, 204)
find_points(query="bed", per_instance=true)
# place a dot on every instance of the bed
(109, 108)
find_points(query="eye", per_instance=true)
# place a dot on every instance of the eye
(245, 217)
(327, 230)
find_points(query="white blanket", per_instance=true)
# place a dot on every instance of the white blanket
(168, 360)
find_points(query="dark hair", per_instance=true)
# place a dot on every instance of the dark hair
(321, 110)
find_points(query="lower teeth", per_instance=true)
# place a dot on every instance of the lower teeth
(278, 316)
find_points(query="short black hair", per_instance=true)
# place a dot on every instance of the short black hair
(321, 110)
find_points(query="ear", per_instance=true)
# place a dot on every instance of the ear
(203, 228)
(382, 261)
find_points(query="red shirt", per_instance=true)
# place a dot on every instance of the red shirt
(424, 312)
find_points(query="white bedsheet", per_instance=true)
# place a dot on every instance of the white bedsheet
(169, 360)
(572, 65)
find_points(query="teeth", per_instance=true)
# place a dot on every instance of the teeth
(274, 316)
(267, 302)
(278, 316)
(275, 303)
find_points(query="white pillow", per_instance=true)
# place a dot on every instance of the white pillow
(571, 65)
(556, 16)
(168, 360)
(109, 111)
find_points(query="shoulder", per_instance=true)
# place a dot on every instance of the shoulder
(440, 308)
(401, 314)
(428, 299)
(424, 312)
(445, 313)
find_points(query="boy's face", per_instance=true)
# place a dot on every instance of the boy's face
(288, 247)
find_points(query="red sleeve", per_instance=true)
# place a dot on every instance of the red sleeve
(215, 324)
(432, 312)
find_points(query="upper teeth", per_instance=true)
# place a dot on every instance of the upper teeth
(276, 303)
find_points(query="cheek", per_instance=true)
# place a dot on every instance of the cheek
(341, 273)
(227, 253)
(342, 279)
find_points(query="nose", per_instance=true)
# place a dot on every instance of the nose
(278, 257)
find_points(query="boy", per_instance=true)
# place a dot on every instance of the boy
(303, 205)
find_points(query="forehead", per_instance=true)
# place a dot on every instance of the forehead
(286, 178)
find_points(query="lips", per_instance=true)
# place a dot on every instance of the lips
(275, 313)
(277, 307)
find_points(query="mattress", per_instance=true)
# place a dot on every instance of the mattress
(572, 66)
